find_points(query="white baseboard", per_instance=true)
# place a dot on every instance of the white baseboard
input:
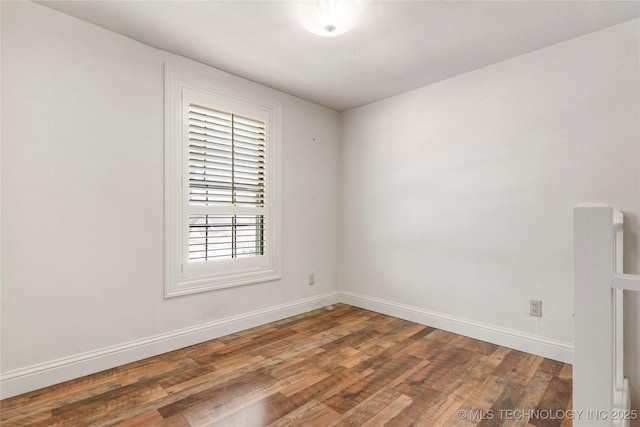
(45, 374)
(545, 347)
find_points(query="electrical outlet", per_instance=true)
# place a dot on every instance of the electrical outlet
(312, 279)
(535, 308)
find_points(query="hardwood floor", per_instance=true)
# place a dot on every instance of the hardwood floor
(347, 367)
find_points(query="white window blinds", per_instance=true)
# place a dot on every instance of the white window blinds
(226, 158)
(226, 168)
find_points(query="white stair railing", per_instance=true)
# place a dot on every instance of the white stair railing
(621, 395)
(600, 391)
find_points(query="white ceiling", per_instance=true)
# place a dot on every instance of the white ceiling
(397, 46)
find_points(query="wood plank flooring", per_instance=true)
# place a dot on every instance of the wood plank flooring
(346, 367)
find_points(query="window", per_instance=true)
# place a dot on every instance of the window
(220, 187)
(226, 166)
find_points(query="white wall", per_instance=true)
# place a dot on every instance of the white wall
(457, 197)
(82, 204)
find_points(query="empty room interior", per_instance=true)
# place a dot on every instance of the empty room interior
(247, 213)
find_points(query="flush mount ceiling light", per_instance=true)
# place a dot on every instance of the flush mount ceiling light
(329, 18)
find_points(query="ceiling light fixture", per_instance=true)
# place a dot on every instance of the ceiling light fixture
(329, 18)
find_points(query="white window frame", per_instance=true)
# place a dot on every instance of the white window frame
(181, 276)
